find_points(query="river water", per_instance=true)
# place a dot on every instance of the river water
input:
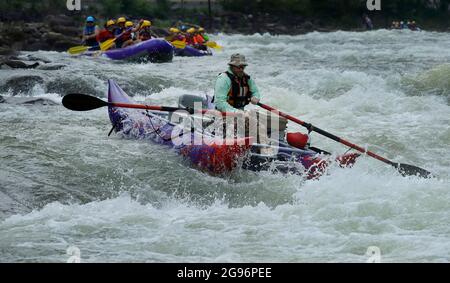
(64, 182)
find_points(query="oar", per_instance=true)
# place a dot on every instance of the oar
(105, 45)
(78, 49)
(404, 169)
(213, 44)
(179, 44)
(110, 42)
(83, 102)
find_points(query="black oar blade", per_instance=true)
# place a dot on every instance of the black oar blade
(82, 102)
(411, 170)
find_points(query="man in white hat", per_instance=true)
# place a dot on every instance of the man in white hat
(234, 90)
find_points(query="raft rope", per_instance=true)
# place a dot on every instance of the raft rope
(156, 131)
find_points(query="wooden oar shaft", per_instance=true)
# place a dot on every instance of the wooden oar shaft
(143, 106)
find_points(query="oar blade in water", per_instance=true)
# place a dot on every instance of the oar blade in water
(411, 170)
(82, 102)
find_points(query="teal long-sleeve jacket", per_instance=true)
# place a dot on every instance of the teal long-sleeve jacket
(223, 86)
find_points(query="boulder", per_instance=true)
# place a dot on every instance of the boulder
(67, 30)
(40, 45)
(21, 84)
(6, 50)
(51, 67)
(51, 37)
(60, 20)
(29, 101)
(17, 64)
(65, 43)
(40, 58)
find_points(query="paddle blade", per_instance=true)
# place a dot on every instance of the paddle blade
(411, 170)
(82, 102)
(179, 44)
(213, 44)
(107, 44)
(78, 49)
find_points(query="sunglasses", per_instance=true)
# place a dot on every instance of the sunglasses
(240, 67)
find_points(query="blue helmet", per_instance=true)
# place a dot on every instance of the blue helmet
(90, 19)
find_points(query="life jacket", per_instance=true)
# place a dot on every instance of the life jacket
(104, 35)
(239, 95)
(199, 39)
(89, 30)
(120, 40)
(118, 31)
(190, 40)
(125, 37)
(144, 35)
(205, 37)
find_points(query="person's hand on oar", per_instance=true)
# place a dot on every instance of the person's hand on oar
(111, 42)
(404, 169)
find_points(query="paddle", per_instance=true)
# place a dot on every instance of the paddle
(83, 102)
(179, 44)
(404, 169)
(78, 49)
(213, 44)
(110, 42)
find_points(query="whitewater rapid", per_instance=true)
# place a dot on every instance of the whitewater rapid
(65, 183)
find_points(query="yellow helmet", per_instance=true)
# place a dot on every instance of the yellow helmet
(146, 24)
(121, 20)
(191, 30)
(110, 23)
(174, 30)
(201, 30)
(129, 24)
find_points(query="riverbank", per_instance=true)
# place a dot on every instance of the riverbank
(60, 32)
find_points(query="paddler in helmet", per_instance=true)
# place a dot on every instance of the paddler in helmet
(175, 34)
(119, 30)
(201, 32)
(200, 41)
(129, 34)
(190, 37)
(90, 32)
(144, 32)
(234, 90)
(107, 32)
